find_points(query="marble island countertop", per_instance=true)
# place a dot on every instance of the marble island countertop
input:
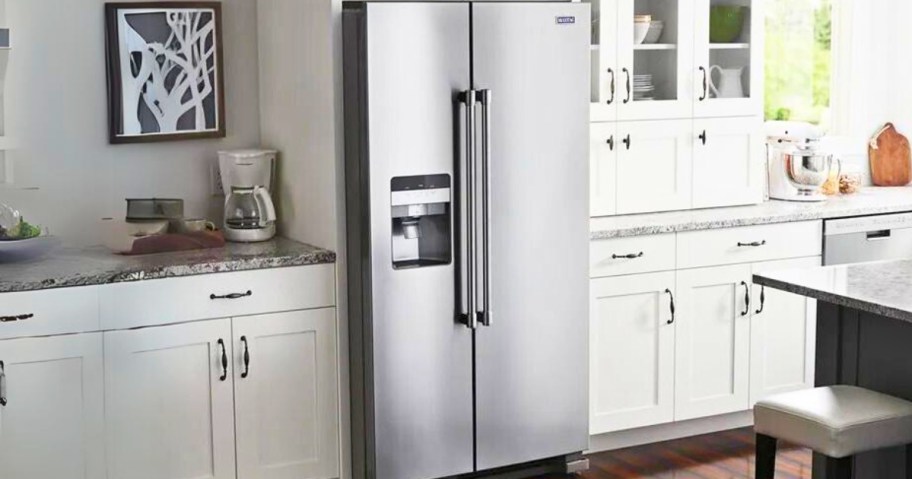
(882, 288)
(868, 201)
(97, 265)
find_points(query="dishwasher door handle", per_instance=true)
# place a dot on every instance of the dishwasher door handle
(879, 235)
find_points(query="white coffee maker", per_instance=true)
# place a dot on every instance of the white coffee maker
(247, 177)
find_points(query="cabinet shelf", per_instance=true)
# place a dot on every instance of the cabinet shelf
(655, 46)
(729, 46)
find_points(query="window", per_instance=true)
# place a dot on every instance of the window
(798, 61)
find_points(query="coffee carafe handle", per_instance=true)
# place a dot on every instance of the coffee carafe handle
(263, 197)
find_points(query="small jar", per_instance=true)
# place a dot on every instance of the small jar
(850, 181)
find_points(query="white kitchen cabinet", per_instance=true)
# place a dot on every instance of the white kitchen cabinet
(654, 166)
(783, 330)
(603, 151)
(632, 336)
(52, 425)
(286, 394)
(728, 162)
(169, 402)
(742, 58)
(712, 341)
(604, 54)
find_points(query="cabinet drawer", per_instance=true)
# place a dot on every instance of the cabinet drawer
(646, 254)
(223, 295)
(49, 312)
(749, 244)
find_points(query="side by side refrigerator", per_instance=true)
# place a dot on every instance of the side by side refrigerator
(467, 178)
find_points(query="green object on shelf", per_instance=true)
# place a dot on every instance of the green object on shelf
(726, 23)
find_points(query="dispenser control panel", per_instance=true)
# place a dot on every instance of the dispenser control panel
(422, 220)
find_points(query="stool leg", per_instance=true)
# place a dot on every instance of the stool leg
(766, 457)
(909, 461)
(840, 468)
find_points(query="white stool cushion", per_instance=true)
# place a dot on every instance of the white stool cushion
(836, 421)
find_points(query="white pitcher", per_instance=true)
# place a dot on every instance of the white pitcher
(730, 82)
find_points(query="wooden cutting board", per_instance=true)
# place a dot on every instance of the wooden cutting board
(891, 158)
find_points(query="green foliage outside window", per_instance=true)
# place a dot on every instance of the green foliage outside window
(798, 60)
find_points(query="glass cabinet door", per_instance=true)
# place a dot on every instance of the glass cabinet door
(728, 58)
(603, 50)
(655, 54)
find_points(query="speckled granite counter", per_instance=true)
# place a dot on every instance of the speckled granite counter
(97, 265)
(882, 288)
(868, 201)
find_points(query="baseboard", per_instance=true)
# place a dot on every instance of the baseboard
(668, 432)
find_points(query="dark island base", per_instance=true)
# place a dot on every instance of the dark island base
(870, 351)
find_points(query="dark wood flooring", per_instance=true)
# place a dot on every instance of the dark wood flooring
(725, 455)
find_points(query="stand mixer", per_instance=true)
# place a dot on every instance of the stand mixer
(247, 176)
(798, 167)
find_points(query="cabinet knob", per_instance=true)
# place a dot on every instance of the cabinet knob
(611, 87)
(705, 84)
(762, 300)
(755, 244)
(231, 296)
(224, 360)
(747, 299)
(611, 142)
(13, 319)
(3, 401)
(246, 358)
(627, 142)
(629, 90)
(627, 256)
(671, 305)
(702, 137)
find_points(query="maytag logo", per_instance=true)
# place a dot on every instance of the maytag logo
(566, 20)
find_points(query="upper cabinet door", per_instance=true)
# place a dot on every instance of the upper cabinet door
(287, 393)
(728, 59)
(728, 165)
(603, 153)
(169, 402)
(654, 78)
(604, 51)
(654, 166)
(52, 425)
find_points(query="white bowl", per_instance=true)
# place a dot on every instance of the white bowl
(640, 30)
(28, 249)
(655, 32)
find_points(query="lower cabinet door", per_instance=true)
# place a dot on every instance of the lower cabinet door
(712, 341)
(169, 402)
(783, 330)
(632, 336)
(52, 422)
(286, 389)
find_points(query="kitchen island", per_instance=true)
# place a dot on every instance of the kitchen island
(864, 336)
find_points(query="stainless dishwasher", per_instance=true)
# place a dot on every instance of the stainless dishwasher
(867, 238)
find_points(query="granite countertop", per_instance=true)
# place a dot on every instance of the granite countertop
(868, 201)
(883, 288)
(97, 265)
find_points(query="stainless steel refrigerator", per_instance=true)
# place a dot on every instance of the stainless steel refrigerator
(467, 184)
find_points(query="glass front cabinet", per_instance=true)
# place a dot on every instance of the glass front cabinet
(683, 60)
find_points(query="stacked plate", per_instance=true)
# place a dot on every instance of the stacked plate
(643, 89)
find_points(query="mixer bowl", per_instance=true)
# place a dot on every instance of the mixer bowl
(808, 170)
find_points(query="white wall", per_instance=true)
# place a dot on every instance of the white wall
(56, 107)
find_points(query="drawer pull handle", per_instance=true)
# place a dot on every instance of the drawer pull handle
(13, 319)
(762, 300)
(671, 305)
(747, 299)
(232, 296)
(755, 244)
(224, 376)
(246, 358)
(627, 256)
(2, 384)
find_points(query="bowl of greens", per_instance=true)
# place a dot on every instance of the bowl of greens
(21, 240)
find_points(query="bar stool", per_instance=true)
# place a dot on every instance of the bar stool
(836, 421)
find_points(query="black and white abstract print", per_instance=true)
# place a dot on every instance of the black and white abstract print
(168, 72)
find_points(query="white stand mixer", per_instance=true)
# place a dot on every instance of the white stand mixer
(797, 166)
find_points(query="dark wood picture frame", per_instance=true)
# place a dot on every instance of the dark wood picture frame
(114, 81)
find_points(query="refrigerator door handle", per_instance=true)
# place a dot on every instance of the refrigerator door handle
(485, 97)
(468, 236)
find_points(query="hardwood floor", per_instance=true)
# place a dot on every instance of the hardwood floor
(726, 455)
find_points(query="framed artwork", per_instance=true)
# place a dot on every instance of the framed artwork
(165, 71)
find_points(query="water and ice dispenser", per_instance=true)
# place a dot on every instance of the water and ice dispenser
(422, 221)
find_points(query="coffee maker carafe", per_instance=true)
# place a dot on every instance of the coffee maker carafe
(247, 177)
